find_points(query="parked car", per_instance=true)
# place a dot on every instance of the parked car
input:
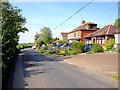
(62, 45)
(66, 45)
(57, 46)
(87, 47)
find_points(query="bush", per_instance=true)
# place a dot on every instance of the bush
(109, 44)
(62, 52)
(65, 52)
(23, 45)
(42, 50)
(117, 50)
(73, 52)
(96, 48)
(50, 52)
(78, 47)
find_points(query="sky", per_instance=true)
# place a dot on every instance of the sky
(51, 14)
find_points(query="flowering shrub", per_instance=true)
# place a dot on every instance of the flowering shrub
(109, 44)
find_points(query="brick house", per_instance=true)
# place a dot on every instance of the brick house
(63, 35)
(81, 31)
(102, 35)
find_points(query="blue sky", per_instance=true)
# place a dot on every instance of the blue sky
(51, 14)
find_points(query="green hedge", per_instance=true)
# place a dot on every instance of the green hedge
(109, 44)
(96, 48)
(78, 47)
(24, 45)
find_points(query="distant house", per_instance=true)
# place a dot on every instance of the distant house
(81, 31)
(102, 35)
(63, 35)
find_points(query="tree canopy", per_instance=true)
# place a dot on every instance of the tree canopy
(45, 36)
(12, 23)
(117, 23)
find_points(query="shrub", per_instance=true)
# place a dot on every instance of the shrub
(109, 44)
(72, 52)
(23, 45)
(117, 50)
(62, 52)
(49, 52)
(96, 48)
(78, 47)
(52, 51)
(40, 42)
(57, 50)
(42, 50)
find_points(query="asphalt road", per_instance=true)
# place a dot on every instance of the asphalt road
(34, 70)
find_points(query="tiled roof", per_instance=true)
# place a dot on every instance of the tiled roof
(82, 27)
(79, 28)
(64, 33)
(107, 30)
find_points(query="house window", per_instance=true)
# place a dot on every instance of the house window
(78, 33)
(92, 26)
(99, 40)
(88, 42)
(103, 40)
(75, 34)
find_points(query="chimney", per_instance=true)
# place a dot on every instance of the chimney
(83, 22)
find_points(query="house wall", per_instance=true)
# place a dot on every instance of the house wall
(101, 39)
(74, 34)
(63, 37)
(84, 33)
(80, 34)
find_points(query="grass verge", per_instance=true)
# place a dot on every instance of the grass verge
(117, 76)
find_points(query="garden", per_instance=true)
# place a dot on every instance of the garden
(78, 47)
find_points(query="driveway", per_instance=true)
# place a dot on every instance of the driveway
(105, 63)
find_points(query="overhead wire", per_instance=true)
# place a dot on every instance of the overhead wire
(73, 14)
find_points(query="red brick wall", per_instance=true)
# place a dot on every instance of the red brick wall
(86, 32)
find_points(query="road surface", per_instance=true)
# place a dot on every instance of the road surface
(34, 70)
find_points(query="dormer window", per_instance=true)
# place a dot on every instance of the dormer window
(92, 26)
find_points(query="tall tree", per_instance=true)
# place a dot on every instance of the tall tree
(12, 23)
(117, 23)
(46, 34)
